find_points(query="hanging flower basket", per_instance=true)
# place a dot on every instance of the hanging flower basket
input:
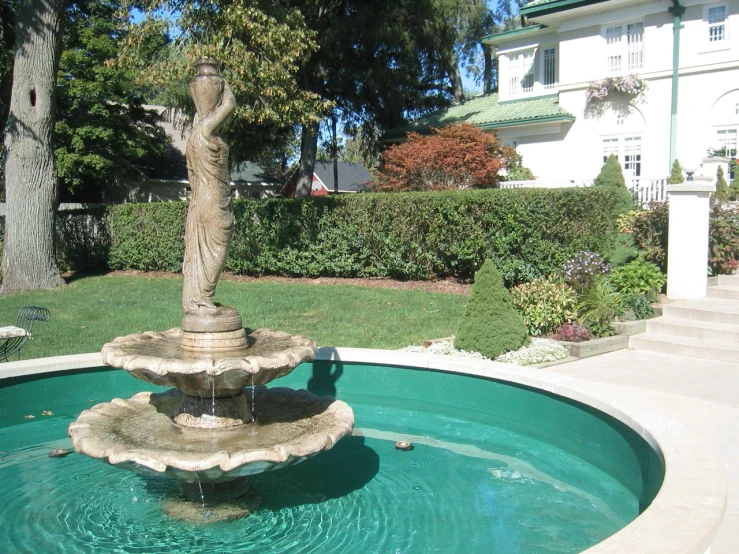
(601, 89)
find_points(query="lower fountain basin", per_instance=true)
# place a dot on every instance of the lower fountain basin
(505, 459)
(158, 357)
(139, 434)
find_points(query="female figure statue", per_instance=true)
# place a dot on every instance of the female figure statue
(210, 220)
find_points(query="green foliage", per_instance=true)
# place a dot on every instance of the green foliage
(528, 233)
(490, 324)
(516, 171)
(640, 277)
(722, 193)
(262, 44)
(649, 231)
(734, 188)
(611, 176)
(147, 236)
(544, 305)
(101, 122)
(637, 306)
(723, 254)
(676, 175)
(600, 305)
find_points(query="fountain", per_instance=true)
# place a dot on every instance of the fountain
(219, 424)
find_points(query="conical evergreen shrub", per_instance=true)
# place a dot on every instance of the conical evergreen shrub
(490, 325)
(722, 187)
(611, 176)
(676, 175)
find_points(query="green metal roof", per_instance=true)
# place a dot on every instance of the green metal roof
(486, 112)
(545, 7)
(514, 32)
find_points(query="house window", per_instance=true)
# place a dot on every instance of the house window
(624, 47)
(632, 156)
(549, 78)
(716, 23)
(521, 68)
(727, 140)
(610, 146)
(628, 152)
(613, 48)
(635, 41)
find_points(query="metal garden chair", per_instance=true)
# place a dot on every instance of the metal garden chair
(25, 318)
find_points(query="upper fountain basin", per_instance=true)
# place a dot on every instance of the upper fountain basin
(156, 357)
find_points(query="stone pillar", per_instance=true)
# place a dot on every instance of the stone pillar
(687, 257)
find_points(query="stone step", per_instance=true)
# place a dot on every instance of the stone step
(716, 310)
(686, 346)
(729, 292)
(730, 280)
(705, 330)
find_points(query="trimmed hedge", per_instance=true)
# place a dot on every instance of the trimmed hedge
(527, 233)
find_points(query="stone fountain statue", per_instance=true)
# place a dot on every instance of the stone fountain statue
(219, 424)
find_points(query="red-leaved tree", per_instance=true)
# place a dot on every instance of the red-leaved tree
(453, 157)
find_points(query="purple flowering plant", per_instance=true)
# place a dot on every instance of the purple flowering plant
(631, 85)
(581, 271)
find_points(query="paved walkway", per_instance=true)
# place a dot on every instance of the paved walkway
(708, 401)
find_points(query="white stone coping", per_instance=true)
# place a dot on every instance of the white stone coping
(691, 186)
(687, 511)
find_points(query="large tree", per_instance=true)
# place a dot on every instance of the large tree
(261, 43)
(30, 177)
(377, 64)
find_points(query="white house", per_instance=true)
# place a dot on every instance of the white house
(545, 70)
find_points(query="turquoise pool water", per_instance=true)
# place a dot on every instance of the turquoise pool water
(496, 468)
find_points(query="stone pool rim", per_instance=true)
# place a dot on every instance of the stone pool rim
(683, 518)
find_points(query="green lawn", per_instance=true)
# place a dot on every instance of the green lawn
(93, 310)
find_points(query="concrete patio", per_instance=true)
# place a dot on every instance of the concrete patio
(708, 402)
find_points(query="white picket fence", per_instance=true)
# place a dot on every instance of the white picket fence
(645, 190)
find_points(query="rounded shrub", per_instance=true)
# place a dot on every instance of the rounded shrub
(490, 324)
(544, 305)
(639, 277)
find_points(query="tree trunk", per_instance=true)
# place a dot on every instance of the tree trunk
(487, 76)
(335, 153)
(455, 79)
(30, 177)
(308, 147)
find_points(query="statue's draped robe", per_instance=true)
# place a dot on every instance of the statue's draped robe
(210, 219)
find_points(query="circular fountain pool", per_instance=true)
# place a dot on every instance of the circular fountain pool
(496, 467)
